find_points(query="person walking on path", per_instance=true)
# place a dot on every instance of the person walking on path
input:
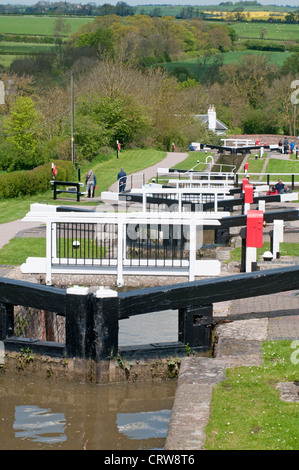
(169, 161)
(122, 180)
(90, 183)
(286, 146)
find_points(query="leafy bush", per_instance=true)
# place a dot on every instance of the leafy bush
(13, 158)
(260, 45)
(258, 122)
(23, 183)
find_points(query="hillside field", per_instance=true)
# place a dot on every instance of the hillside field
(228, 58)
(43, 26)
(274, 31)
(37, 25)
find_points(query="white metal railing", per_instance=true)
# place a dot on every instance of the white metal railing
(182, 196)
(127, 226)
(208, 176)
(238, 142)
(270, 178)
(135, 180)
(210, 164)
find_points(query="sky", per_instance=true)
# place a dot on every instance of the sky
(156, 2)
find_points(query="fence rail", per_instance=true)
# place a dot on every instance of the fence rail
(92, 319)
(114, 243)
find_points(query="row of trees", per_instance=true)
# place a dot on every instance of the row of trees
(121, 8)
(116, 99)
(113, 101)
(67, 8)
(143, 37)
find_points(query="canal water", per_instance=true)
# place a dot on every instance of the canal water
(43, 414)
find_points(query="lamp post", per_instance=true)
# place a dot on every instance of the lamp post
(72, 119)
(295, 100)
(2, 92)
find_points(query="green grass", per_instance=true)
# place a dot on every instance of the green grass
(246, 410)
(286, 249)
(6, 60)
(274, 31)
(18, 250)
(276, 167)
(255, 165)
(283, 166)
(106, 172)
(228, 58)
(132, 161)
(11, 48)
(191, 161)
(40, 25)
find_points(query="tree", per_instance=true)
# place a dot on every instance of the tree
(291, 65)
(249, 78)
(22, 126)
(61, 27)
(257, 121)
(278, 103)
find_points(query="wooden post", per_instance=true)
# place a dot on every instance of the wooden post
(6, 320)
(55, 188)
(195, 326)
(105, 328)
(91, 323)
(78, 322)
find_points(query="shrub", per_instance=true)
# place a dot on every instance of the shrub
(24, 183)
(260, 45)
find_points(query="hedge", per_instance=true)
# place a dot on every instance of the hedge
(260, 45)
(25, 183)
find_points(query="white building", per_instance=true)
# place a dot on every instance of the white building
(211, 121)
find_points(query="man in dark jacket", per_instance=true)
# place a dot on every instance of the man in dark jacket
(122, 180)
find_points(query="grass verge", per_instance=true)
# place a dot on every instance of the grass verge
(18, 250)
(286, 249)
(246, 410)
(106, 172)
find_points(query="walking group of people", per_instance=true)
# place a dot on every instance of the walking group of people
(91, 182)
(287, 147)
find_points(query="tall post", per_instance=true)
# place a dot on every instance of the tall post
(2, 92)
(72, 119)
(6, 320)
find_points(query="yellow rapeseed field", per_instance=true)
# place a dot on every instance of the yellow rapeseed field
(250, 15)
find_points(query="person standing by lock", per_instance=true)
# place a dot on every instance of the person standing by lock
(90, 183)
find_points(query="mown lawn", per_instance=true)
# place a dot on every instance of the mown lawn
(286, 249)
(18, 250)
(106, 172)
(39, 25)
(246, 410)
